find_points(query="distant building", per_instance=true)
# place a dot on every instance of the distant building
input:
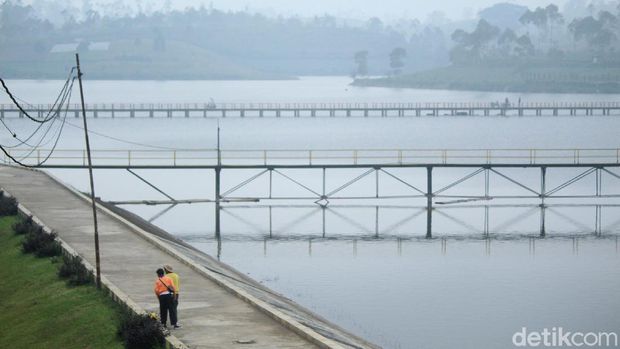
(60, 48)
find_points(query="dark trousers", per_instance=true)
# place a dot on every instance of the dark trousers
(174, 315)
(166, 306)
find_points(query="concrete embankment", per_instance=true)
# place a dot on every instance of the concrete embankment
(219, 307)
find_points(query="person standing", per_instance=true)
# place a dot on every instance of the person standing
(164, 290)
(175, 302)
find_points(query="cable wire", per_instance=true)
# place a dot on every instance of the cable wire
(56, 109)
(66, 98)
(122, 140)
(14, 100)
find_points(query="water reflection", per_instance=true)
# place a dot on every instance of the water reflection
(377, 221)
(300, 229)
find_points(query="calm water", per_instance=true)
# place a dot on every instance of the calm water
(367, 268)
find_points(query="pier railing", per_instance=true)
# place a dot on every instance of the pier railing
(322, 106)
(314, 157)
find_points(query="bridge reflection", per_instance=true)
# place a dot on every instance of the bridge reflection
(344, 224)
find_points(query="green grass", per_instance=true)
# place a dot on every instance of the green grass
(38, 310)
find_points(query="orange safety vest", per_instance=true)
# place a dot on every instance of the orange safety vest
(160, 288)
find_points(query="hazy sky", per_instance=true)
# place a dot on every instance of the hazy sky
(386, 9)
(350, 9)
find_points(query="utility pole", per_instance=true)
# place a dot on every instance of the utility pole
(218, 170)
(90, 173)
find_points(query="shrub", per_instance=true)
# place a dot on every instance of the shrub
(141, 331)
(24, 226)
(74, 271)
(41, 244)
(8, 205)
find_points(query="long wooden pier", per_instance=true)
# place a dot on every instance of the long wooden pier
(599, 164)
(259, 110)
(315, 158)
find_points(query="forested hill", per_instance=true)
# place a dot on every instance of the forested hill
(528, 50)
(206, 44)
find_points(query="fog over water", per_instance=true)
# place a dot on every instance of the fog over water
(366, 265)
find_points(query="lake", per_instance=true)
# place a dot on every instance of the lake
(365, 264)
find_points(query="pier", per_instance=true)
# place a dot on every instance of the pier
(378, 164)
(296, 110)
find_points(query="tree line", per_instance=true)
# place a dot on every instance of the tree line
(544, 35)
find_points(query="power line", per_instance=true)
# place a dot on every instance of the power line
(56, 109)
(65, 98)
(122, 140)
(14, 100)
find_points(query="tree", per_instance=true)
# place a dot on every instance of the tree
(544, 19)
(525, 46)
(361, 59)
(598, 33)
(159, 42)
(474, 46)
(396, 59)
(507, 43)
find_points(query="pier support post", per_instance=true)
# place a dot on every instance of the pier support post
(429, 202)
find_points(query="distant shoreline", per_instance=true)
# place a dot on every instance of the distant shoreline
(565, 80)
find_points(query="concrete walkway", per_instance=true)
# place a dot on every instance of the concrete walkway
(211, 316)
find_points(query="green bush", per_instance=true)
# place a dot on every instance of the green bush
(41, 244)
(8, 205)
(24, 226)
(141, 331)
(74, 271)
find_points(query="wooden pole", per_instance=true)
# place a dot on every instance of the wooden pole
(218, 171)
(90, 173)
(429, 202)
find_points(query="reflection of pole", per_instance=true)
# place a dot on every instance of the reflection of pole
(543, 179)
(270, 224)
(218, 170)
(486, 220)
(429, 202)
(598, 221)
(323, 208)
(90, 173)
(377, 222)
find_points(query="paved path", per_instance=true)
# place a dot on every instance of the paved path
(211, 316)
